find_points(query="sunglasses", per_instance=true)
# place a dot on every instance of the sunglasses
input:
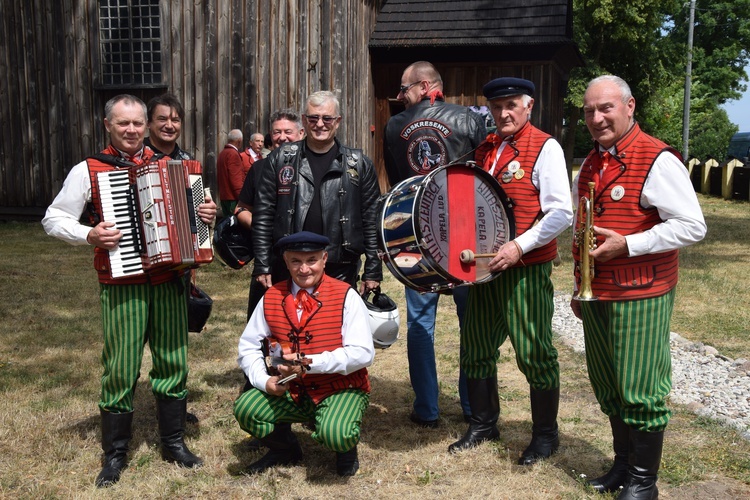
(403, 89)
(327, 120)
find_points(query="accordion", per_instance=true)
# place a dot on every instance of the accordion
(155, 206)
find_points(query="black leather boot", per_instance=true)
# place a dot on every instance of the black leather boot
(116, 433)
(171, 414)
(347, 463)
(615, 478)
(485, 410)
(544, 435)
(284, 449)
(644, 458)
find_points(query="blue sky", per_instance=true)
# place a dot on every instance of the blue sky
(739, 111)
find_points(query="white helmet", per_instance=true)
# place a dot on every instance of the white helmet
(384, 318)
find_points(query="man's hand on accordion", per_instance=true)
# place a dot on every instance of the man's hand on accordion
(103, 236)
(207, 211)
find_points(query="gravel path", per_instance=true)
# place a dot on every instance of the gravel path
(703, 380)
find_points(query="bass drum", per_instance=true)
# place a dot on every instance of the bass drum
(427, 221)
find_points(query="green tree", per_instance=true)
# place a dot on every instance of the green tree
(645, 42)
(620, 38)
(710, 131)
(721, 37)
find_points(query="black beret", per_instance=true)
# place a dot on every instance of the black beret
(504, 87)
(304, 241)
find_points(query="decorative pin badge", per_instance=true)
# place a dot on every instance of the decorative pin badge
(351, 161)
(507, 177)
(513, 166)
(519, 174)
(617, 193)
(294, 147)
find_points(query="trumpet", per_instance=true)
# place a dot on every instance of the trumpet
(586, 241)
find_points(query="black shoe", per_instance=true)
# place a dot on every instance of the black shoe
(475, 435)
(485, 410)
(116, 433)
(644, 458)
(274, 458)
(541, 446)
(284, 450)
(544, 435)
(347, 463)
(615, 478)
(427, 424)
(171, 414)
(254, 444)
(191, 418)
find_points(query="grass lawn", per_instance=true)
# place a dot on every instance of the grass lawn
(50, 342)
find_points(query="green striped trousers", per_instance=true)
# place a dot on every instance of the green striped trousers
(628, 358)
(131, 316)
(518, 304)
(338, 417)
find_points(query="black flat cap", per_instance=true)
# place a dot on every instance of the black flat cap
(504, 87)
(304, 241)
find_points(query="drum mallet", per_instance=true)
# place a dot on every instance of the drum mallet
(467, 256)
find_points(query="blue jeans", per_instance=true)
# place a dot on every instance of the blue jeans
(421, 310)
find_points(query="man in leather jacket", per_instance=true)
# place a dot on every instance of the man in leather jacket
(428, 134)
(322, 186)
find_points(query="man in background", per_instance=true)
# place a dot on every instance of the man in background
(286, 126)
(439, 133)
(319, 185)
(230, 172)
(165, 118)
(251, 153)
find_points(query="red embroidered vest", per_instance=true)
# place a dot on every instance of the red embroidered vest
(525, 147)
(627, 278)
(101, 256)
(321, 332)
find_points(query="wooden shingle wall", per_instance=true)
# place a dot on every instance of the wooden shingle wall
(230, 62)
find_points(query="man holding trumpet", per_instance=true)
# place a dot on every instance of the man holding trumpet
(644, 209)
(530, 166)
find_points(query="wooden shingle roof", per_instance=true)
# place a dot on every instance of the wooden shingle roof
(435, 23)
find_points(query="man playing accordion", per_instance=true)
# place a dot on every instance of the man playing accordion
(135, 309)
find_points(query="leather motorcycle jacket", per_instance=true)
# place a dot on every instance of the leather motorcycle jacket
(349, 196)
(426, 136)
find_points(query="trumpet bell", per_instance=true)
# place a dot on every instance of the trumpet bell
(585, 297)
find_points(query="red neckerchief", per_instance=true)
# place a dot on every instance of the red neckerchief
(305, 302)
(598, 173)
(507, 154)
(434, 95)
(141, 157)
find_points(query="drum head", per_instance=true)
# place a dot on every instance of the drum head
(428, 221)
(463, 208)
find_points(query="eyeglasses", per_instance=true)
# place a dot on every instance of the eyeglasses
(403, 89)
(327, 120)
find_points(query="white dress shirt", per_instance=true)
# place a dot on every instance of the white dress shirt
(62, 217)
(550, 177)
